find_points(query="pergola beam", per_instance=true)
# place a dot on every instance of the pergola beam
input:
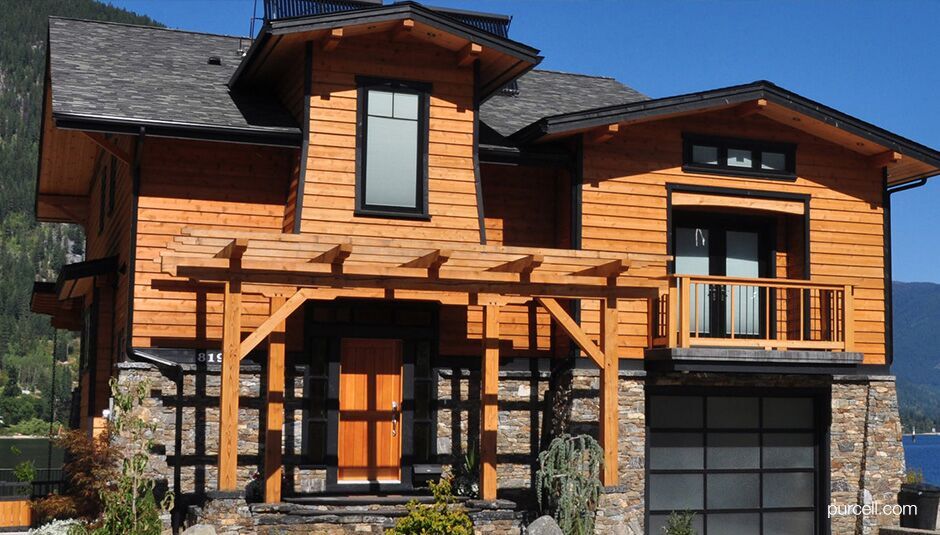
(234, 250)
(571, 327)
(431, 261)
(522, 265)
(335, 256)
(612, 268)
(277, 317)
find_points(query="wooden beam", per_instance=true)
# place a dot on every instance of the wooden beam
(234, 250)
(885, 159)
(273, 442)
(750, 108)
(431, 261)
(610, 406)
(335, 256)
(228, 402)
(525, 264)
(110, 147)
(331, 40)
(567, 323)
(489, 418)
(601, 134)
(403, 28)
(468, 54)
(612, 268)
(273, 321)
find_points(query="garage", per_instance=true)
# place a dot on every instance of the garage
(745, 462)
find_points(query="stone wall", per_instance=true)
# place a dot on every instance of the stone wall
(621, 510)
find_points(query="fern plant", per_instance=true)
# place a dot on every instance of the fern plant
(568, 482)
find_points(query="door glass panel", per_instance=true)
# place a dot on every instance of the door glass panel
(788, 490)
(733, 450)
(788, 413)
(676, 411)
(733, 491)
(676, 492)
(791, 523)
(743, 260)
(692, 259)
(675, 451)
(733, 524)
(789, 450)
(732, 412)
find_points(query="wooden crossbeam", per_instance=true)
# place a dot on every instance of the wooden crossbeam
(609, 402)
(331, 40)
(273, 321)
(234, 250)
(489, 417)
(274, 407)
(751, 107)
(885, 159)
(571, 327)
(403, 28)
(110, 147)
(525, 264)
(468, 54)
(601, 134)
(609, 269)
(335, 255)
(431, 261)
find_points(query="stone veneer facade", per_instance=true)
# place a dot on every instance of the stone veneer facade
(866, 457)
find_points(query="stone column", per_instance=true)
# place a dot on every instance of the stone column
(866, 455)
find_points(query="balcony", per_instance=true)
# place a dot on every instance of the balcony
(731, 318)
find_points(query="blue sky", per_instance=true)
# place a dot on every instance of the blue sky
(874, 60)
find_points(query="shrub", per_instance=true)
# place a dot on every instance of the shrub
(57, 527)
(568, 479)
(90, 466)
(466, 480)
(443, 517)
(25, 472)
(679, 523)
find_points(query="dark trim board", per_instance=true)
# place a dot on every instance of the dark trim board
(305, 147)
(477, 176)
(771, 368)
(132, 246)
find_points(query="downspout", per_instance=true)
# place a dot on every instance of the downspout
(132, 252)
(477, 178)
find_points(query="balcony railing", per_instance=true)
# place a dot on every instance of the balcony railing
(772, 314)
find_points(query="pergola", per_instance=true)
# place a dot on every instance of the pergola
(290, 269)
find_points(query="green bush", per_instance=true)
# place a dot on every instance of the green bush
(25, 472)
(33, 427)
(679, 523)
(443, 517)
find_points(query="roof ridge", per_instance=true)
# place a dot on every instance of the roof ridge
(578, 74)
(148, 27)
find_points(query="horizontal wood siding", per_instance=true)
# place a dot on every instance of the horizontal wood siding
(624, 209)
(329, 193)
(200, 185)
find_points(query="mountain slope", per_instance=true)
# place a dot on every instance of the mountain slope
(917, 352)
(27, 248)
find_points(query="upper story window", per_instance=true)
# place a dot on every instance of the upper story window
(392, 166)
(739, 157)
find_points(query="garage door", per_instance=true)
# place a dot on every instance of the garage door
(745, 464)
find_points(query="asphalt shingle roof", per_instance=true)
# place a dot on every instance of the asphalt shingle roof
(146, 74)
(546, 93)
(139, 73)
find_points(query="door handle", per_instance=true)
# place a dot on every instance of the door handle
(395, 413)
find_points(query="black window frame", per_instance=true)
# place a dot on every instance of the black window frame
(756, 147)
(423, 91)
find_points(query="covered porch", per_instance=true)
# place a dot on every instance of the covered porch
(290, 270)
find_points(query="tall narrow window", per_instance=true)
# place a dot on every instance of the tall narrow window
(392, 166)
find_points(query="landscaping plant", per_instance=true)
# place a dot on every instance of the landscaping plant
(443, 517)
(679, 523)
(568, 482)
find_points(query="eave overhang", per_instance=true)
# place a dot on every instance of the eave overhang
(368, 19)
(780, 99)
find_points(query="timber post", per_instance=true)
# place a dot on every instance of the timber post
(609, 402)
(230, 383)
(274, 407)
(489, 394)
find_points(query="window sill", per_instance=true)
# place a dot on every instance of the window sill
(391, 214)
(787, 177)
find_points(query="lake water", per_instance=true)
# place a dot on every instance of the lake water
(923, 453)
(36, 449)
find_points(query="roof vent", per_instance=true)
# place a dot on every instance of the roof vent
(215, 60)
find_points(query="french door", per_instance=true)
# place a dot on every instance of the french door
(724, 245)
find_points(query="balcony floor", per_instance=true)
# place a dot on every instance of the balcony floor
(763, 356)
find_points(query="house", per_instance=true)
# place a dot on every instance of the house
(372, 238)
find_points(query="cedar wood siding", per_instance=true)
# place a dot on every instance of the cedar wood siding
(625, 199)
(113, 240)
(205, 185)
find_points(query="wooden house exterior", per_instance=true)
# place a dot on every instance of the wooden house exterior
(535, 253)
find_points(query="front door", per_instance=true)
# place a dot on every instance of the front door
(370, 397)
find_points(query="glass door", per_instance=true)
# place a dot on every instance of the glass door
(724, 245)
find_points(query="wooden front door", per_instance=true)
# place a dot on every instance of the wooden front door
(370, 396)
